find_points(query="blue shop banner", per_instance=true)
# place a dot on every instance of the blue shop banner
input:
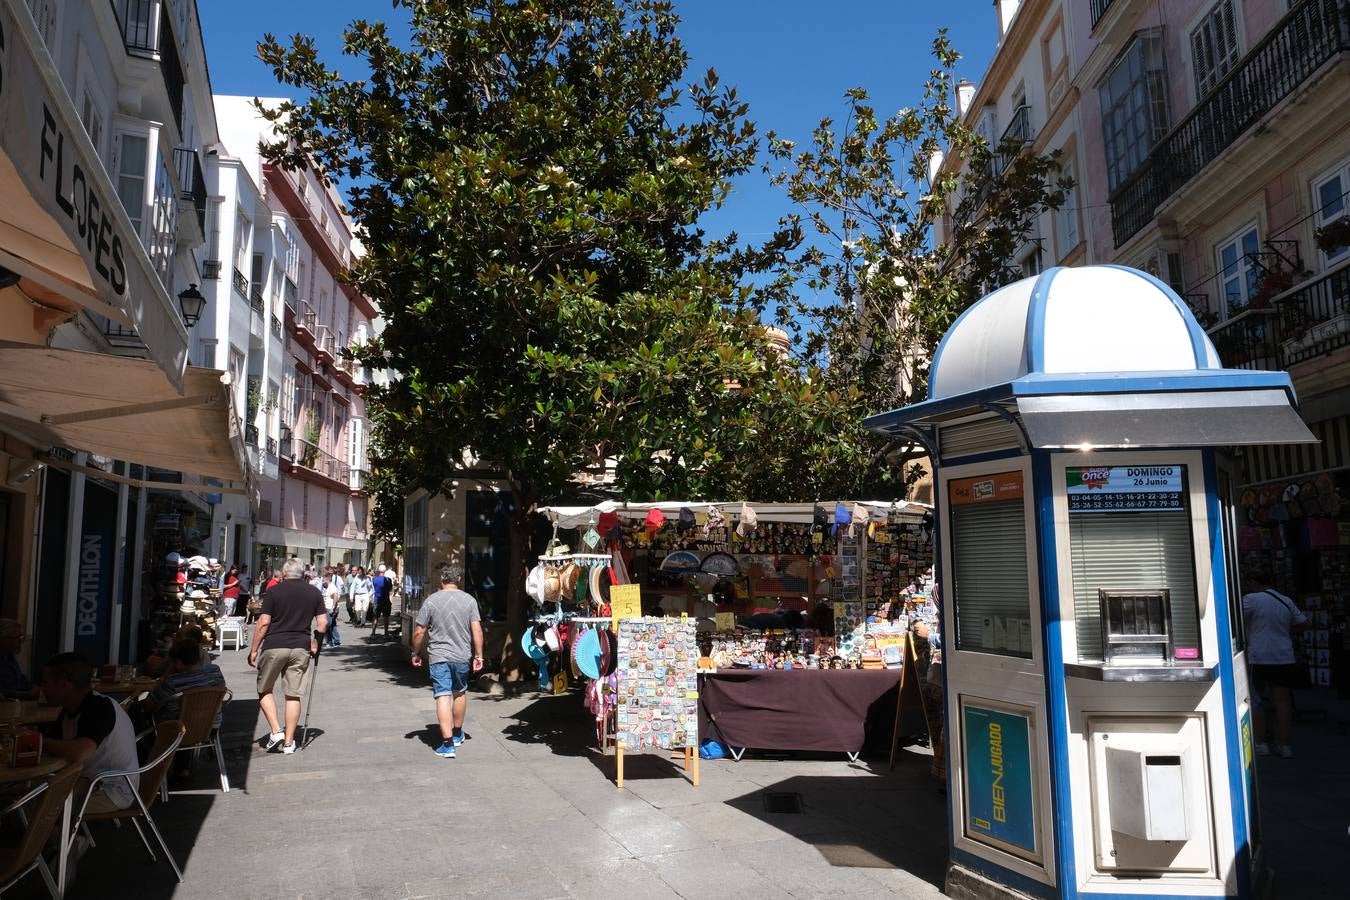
(1000, 800)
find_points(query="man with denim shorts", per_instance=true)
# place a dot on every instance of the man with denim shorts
(449, 626)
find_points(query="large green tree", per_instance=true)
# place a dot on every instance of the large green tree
(910, 218)
(527, 177)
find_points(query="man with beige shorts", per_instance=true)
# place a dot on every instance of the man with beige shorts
(293, 613)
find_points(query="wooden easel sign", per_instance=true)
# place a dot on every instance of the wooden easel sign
(909, 696)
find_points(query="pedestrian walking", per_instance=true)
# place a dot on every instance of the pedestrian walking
(292, 611)
(1271, 619)
(229, 591)
(383, 602)
(245, 590)
(332, 601)
(449, 635)
(360, 594)
(380, 585)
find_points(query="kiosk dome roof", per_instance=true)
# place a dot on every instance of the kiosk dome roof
(1070, 321)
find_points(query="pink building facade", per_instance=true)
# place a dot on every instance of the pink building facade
(317, 508)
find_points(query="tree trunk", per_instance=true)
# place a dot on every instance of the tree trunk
(511, 660)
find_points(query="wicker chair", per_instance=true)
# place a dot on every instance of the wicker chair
(198, 708)
(42, 820)
(168, 735)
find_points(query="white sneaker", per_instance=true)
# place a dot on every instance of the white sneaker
(288, 748)
(275, 738)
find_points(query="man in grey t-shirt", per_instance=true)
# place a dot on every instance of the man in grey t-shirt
(448, 623)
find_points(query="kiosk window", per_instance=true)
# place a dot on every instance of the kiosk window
(1130, 530)
(990, 596)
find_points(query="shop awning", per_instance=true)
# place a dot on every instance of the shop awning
(305, 540)
(62, 227)
(122, 408)
(1208, 419)
(801, 513)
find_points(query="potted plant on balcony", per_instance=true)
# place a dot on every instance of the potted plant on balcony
(310, 455)
(1273, 282)
(1332, 236)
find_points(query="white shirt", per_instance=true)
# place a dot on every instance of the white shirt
(362, 586)
(1270, 615)
(332, 594)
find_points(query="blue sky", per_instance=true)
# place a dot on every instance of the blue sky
(791, 59)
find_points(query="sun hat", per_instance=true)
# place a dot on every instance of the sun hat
(534, 583)
(198, 594)
(568, 577)
(532, 650)
(552, 585)
(552, 640)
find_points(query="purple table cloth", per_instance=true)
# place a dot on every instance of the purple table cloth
(797, 709)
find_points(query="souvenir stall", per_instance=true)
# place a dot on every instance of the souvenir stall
(1299, 532)
(1098, 710)
(188, 594)
(782, 598)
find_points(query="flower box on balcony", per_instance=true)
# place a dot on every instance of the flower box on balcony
(1325, 331)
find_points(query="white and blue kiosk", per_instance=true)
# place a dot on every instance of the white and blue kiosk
(1097, 709)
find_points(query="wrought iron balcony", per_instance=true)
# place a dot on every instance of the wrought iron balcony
(307, 320)
(192, 184)
(291, 295)
(1019, 129)
(251, 435)
(240, 284)
(309, 456)
(1307, 320)
(1311, 33)
(255, 299)
(144, 37)
(325, 344)
(272, 446)
(211, 269)
(276, 327)
(1099, 8)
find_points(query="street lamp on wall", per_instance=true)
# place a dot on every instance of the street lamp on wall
(192, 303)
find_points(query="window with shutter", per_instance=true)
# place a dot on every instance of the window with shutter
(1115, 547)
(1214, 47)
(990, 592)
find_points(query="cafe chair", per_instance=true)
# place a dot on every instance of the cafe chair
(197, 711)
(42, 820)
(168, 735)
(231, 629)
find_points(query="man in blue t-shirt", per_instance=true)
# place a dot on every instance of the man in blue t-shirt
(382, 603)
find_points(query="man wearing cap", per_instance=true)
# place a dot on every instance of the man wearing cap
(292, 612)
(449, 624)
(13, 680)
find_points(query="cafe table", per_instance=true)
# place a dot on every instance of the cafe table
(28, 712)
(48, 765)
(138, 685)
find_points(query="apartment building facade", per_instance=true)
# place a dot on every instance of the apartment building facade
(112, 443)
(308, 419)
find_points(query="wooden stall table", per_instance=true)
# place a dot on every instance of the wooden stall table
(48, 765)
(791, 709)
(28, 712)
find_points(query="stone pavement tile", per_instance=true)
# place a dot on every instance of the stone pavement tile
(646, 831)
(710, 872)
(725, 826)
(667, 793)
(608, 879)
(800, 868)
(907, 884)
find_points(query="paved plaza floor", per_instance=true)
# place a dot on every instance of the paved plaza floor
(530, 810)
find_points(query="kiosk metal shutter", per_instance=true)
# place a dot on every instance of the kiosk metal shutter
(989, 569)
(1132, 551)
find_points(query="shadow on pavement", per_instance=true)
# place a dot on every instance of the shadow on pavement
(895, 820)
(561, 723)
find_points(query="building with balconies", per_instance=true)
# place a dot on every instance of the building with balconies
(316, 507)
(1217, 129)
(114, 449)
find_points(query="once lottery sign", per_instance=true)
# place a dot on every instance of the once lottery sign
(1126, 488)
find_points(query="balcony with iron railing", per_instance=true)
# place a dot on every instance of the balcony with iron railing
(276, 327)
(256, 299)
(150, 37)
(240, 284)
(191, 193)
(325, 344)
(1283, 327)
(211, 269)
(357, 480)
(251, 435)
(1099, 8)
(1312, 33)
(309, 459)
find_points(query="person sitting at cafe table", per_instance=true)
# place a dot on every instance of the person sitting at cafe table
(158, 663)
(187, 669)
(92, 730)
(13, 680)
